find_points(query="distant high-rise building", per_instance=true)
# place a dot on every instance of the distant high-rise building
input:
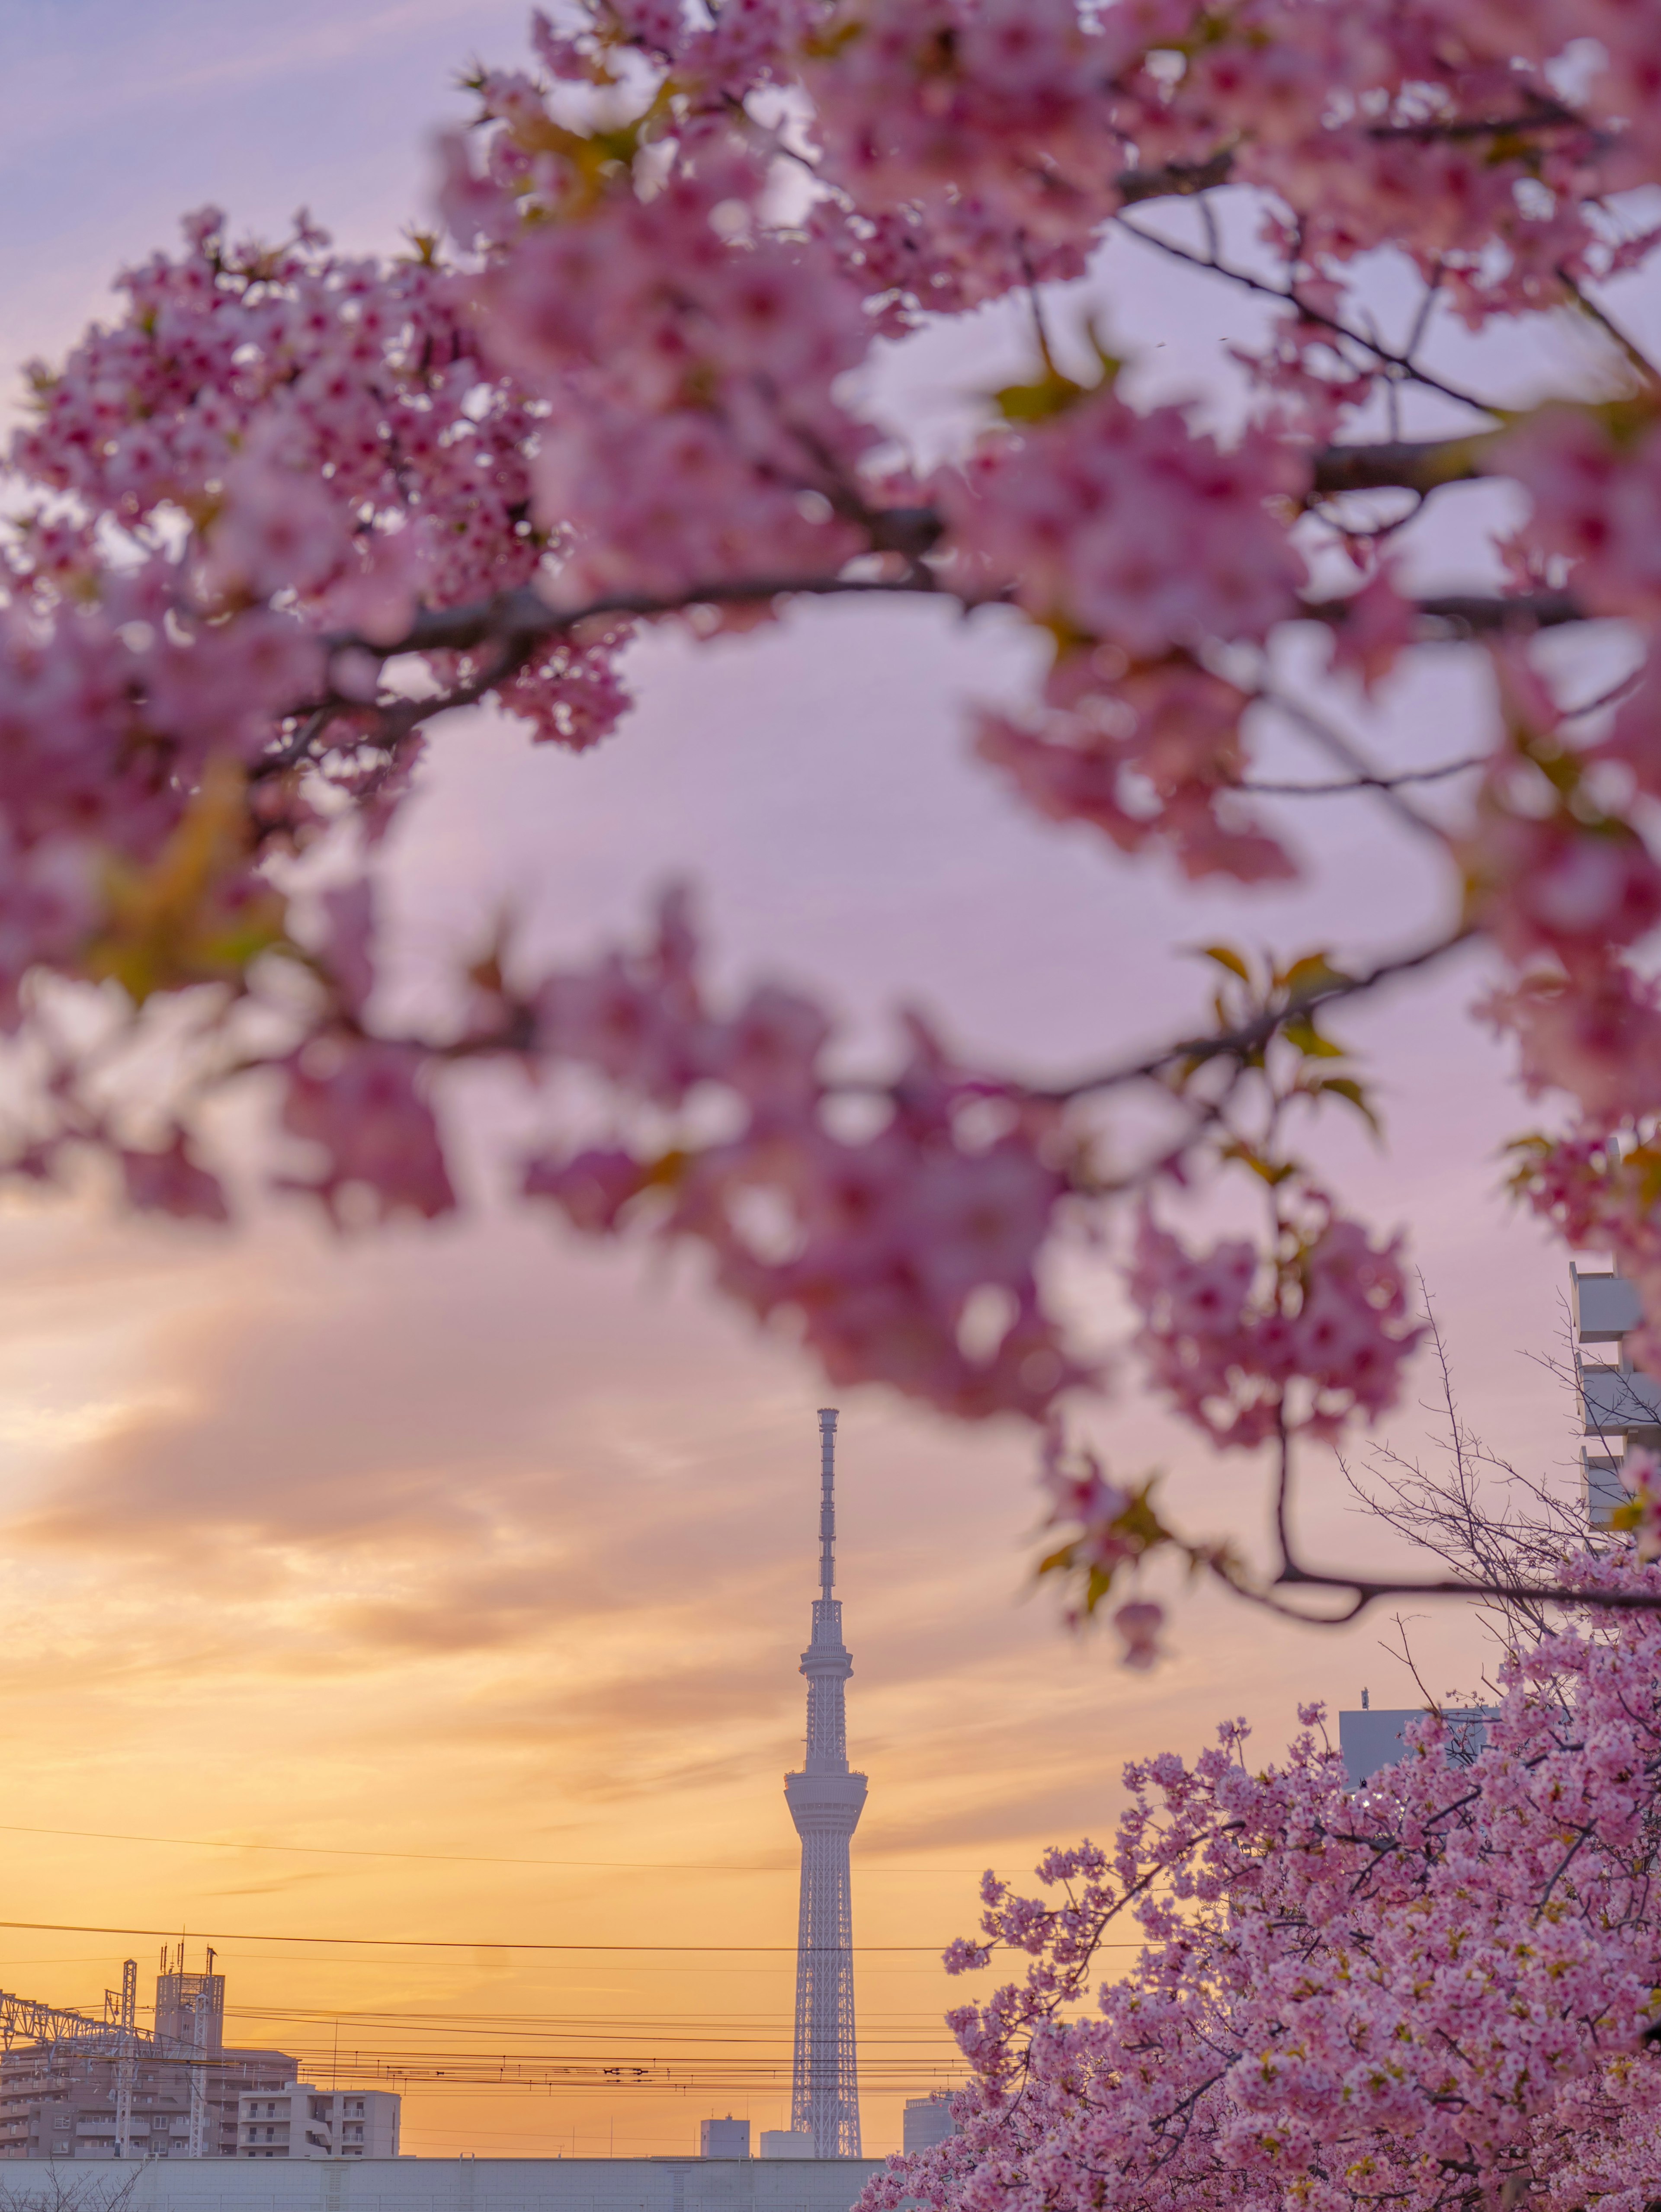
(825, 1800)
(728, 2138)
(1620, 1404)
(927, 2121)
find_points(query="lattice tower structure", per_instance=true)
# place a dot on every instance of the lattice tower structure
(825, 1800)
(126, 2062)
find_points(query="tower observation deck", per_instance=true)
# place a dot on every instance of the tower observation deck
(825, 1801)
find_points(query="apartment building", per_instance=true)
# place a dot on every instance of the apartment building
(299, 2121)
(58, 2101)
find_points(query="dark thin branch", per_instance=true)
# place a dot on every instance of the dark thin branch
(1409, 465)
(1288, 298)
(520, 619)
(1635, 356)
(1173, 179)
(1182, 179)
(1542, 114)
(1363, 1593)
(1362, 782)
(524, 613)
(1460, 615)
(1349, 756)
(1252, 1037)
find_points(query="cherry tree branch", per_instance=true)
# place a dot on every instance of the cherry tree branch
(1250, 1037)
(521, 618)
(1364, 1591)
(1403, 464)
(1340, 786)
(1365, 774)
(1184, 180)
(1287, 297)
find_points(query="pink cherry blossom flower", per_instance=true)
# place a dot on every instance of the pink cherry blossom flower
(1139, 1623)
(361, 1102)
(172, 1181)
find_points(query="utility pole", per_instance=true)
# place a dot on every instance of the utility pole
(126, 2058)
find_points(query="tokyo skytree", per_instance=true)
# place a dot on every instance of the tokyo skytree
(826, 1802)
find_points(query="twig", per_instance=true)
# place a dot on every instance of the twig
(1252, 1037)
(1182, 179)
(1288, 298)
(1635, 357)
(1350, 756)
(1361, 782)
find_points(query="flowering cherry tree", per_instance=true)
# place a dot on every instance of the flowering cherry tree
(1437, 1991)
(292, 508)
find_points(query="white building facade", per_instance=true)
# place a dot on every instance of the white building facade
(299, 2121)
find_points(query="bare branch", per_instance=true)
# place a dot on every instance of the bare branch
(1314, 316)
(1362, 782)
(1365, 774)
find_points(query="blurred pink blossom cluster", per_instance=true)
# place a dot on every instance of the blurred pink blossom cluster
(292, 508)
(1250, 1346)
(907, 1255)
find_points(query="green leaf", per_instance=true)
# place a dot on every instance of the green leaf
(1100, 1583)
(1347, 1088)
(1302, 1032)
(1052, 394)
(1273, 1172)
(1311, 975)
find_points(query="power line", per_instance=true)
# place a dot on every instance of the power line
(447, 1942)
(443, 1858)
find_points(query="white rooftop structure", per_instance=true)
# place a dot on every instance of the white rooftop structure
(728, 2138)
(786, 2143)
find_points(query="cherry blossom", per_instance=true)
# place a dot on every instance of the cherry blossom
(1438, 1990)
(289, 511)
(1250, 1346)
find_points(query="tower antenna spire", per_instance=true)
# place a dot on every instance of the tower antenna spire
(825, 1800)
(827, 1502)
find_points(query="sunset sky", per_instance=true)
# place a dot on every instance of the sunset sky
(480, 1552)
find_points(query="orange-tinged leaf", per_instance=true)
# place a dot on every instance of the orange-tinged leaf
(1225, 957)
